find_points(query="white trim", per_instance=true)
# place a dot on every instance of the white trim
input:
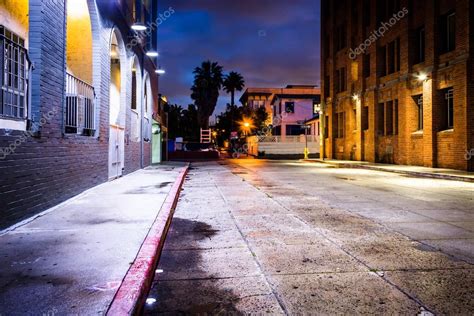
(13, 124)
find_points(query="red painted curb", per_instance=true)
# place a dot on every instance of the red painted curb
(136, 284)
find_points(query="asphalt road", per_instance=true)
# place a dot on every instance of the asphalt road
(293, 238)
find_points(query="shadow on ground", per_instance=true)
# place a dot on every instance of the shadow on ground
(172, 291)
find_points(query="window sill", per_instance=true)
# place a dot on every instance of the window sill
(417, 133)
(12, 124)
(446, 132)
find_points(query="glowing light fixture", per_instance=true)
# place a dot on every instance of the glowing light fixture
(150, 301)
(355, 97)
(152, 53)
(160, 71)
(422, 76)
(139, 27)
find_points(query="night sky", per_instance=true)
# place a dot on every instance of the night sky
(272, 43)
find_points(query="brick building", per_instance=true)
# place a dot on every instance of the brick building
(398, 81)
(78, 97)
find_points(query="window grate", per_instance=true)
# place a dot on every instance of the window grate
(14, 75)
(80, 107)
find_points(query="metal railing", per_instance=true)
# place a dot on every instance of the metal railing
(80, 106)
(286, 139)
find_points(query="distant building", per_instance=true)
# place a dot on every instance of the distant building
(398, 81)
(292, 106)
(287, 107)
(259, 97)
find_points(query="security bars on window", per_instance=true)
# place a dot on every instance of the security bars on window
(14, 79)
(80, 108)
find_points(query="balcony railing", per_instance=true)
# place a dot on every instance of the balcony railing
(80, 107)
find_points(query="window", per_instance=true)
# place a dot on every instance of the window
(419, 105)
(326, 127)
(327, 86)
(341, 82)
(447, 33)
(134, 90)
(419, 46)
(386, 9)
(316, 108)
(340, 36)
(389, 118)
(448, 108)
(257, 103)
(354, 119)
(340, 123)
(290, 107)
(380, 119)
(389, 58)
(294, 130)
(395, 117)
(365, 118)
(14, 80)
(80, 109)
(366, 66)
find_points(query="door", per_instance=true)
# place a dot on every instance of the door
(116, 151)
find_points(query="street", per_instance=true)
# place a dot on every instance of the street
(286, 237)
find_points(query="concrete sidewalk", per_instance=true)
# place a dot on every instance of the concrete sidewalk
(244, 243)
(72, 259)
(437, 173)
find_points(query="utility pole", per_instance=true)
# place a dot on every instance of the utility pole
(322, 127)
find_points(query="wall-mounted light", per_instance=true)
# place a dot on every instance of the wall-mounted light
(355, 97)
(421, 76)
(152, 53)
(139, 27)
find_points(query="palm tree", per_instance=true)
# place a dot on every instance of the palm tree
(233, 82)
(208, 81)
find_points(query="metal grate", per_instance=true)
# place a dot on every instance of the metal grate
(80, 107)
(14, 78)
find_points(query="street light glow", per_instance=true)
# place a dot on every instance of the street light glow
(160, 71)
(422, 76)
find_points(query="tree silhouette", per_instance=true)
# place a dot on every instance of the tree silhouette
(233, 82)
(208, 81)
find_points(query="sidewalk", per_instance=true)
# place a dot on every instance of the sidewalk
(438, 173)
(72, 259)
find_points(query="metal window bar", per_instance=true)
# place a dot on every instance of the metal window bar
(80, 107)
(14, 65)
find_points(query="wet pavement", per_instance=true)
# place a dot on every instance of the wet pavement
(71, 260)
(253, 236)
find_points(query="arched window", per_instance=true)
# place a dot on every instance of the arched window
(80, 112)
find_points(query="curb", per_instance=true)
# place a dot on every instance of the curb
(411, 173)
(131, 294)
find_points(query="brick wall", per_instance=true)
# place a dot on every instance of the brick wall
(48, 166)
(433, 146)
